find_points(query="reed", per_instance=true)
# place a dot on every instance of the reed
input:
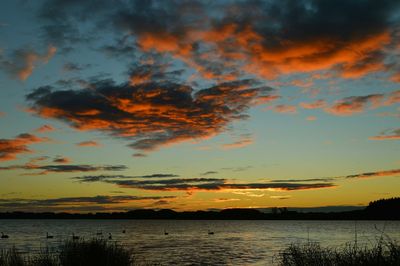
(383, 253)
(95, 252)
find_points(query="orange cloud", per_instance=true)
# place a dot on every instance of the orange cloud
(393, 98)
(11, 148)
(286, 109)
(243, 142)
(391, 135)
(24, 62)
(395, 77)
(205, 184)
(60, 159)
(394, 172)
(313, 105)
(243, 48)
(355, 104)
(89, 143)
(152, 114)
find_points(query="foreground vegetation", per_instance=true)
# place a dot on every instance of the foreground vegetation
(99, 252)
(384, 253)
(95, 252)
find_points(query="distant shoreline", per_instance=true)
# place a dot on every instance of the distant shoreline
(384, 209)
(229, 214)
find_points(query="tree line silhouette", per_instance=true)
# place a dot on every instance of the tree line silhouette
(383, 209)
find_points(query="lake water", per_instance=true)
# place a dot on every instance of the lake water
(188, 242)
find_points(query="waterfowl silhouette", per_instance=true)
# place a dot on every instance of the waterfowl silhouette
(109, 236)
(165, 232)
(3, 235)
(49, 236)
(210, 232)
(124, 231)
(74, 237)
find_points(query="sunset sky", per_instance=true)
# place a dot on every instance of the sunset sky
(194, 105)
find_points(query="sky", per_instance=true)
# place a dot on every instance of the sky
(197, 105)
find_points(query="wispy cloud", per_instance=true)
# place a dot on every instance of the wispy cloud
(22, 62)
(194, 184)
(64, 168)
(45, 128)
(89, 143)
(95, 178)
(286, 109)
(245, 140)
(61, 159)
(358, 104)
(325, 179)
(394, 172)
(209, 173)
(355, 104)
(388, 135)
(281, 197)
(73, 203)
(11, 148)
(314, 105)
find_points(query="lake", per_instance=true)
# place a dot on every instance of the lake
(188, 242)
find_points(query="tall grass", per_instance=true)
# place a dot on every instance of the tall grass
(95, 252)
(383, 253)
(11, 258)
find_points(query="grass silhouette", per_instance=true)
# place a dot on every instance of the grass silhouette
(383, 253)
(95, 252)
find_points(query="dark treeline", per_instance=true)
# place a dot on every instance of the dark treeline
(384, 209)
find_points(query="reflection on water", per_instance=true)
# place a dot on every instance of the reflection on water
(188, 242)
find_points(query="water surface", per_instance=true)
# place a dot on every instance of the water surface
(188, 242)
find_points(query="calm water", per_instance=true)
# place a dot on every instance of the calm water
(188, 243)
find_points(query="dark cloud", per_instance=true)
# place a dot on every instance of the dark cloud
(139, 155)
(143, 73)
(150, 114)
(73, 203)
(61, 159)
(394, 172)
(62, 19)
(225, 39)
(209, 173)
(73, 67)
(123, 48)
(158, 176)
(393, 134)
(237, 169)
(266, 38)
(355, 104)
(21, 62)
(326, 179)
(45, 129)
(64, 168)
(95, 178)
(192, 184)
